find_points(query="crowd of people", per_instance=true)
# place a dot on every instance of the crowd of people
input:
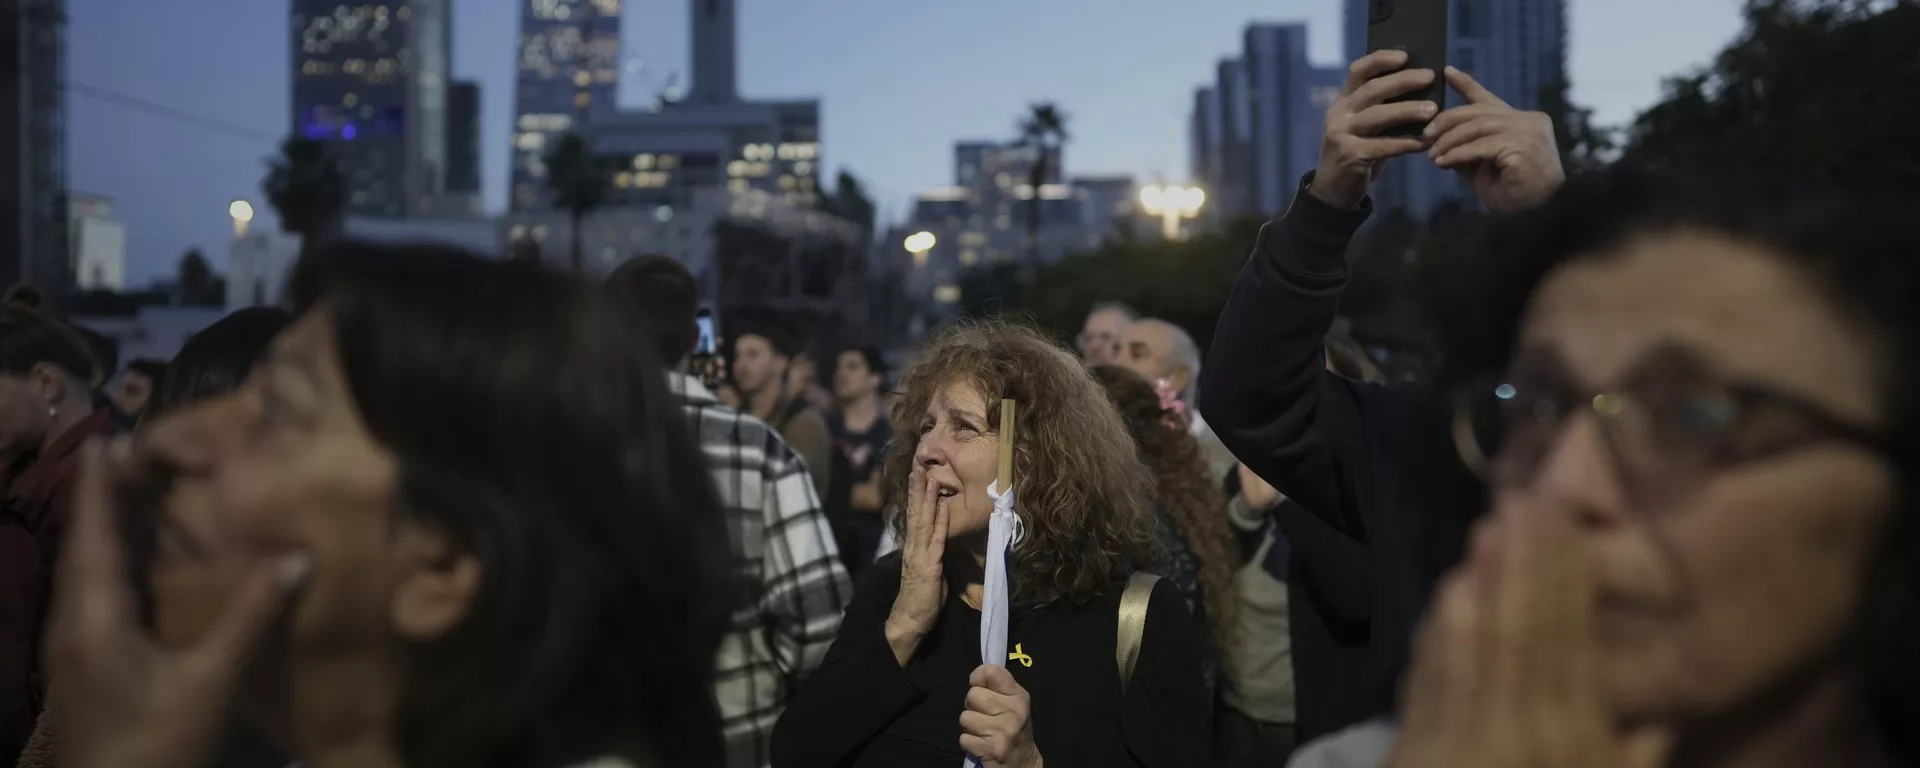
(442, 509)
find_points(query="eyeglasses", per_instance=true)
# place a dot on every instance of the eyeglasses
(1669, 426)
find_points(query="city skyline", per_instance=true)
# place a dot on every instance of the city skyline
(895, 94)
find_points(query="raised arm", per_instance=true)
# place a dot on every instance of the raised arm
(1265, 389)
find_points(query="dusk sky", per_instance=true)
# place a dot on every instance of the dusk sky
(899, 81)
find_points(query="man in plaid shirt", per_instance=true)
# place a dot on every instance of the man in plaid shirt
(796, 586)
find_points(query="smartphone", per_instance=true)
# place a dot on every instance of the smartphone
(705, 360)
(1418, 27)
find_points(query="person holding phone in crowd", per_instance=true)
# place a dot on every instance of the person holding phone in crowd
(1373, 461)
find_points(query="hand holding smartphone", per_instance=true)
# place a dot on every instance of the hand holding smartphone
(706, 363)
(1418, 27)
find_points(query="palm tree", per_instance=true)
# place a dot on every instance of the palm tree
(307, 187)
(578, 181)
(1043, 129)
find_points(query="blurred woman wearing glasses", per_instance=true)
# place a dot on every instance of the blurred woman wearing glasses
(1703, 543)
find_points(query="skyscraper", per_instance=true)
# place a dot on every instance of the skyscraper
(463, 138)
(1256, 130)
(372, 81)
(1516, 48)
(568, 71)
(33, 177)
(715, 79)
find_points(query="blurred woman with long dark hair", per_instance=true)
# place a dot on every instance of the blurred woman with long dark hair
(457, 520)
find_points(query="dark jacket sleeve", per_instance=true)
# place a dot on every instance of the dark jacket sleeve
(859, 688)
(1166, 719)
(1335, 569)
(1265, 388)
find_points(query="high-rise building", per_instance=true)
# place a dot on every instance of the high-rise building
(715, 61)
(1516, 48)
(568, 73)
(1256, 130)
(1288, 100)
(33, 178)
(99, 244)
(372, 81)
(463, 138)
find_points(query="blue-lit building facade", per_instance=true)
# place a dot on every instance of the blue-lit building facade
(567, 74)
(1256, 129)
(372, 81)
(1516, 48)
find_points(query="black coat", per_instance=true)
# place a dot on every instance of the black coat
(863, 709)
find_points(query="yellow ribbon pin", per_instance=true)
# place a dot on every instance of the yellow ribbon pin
(1017, 655)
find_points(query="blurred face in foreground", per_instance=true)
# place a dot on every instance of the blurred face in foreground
(286, 465)
(1692, 405)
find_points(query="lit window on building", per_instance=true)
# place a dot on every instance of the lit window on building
(581, 79)
(947, 294)
(802, 168)
(540, 232)
(350, 99)
(737, 185)
(663, 214)
(623, 180)
(1001, 180)
(669, 162)
(786, 182)
(1003, 222)
(969, 257)
(581, 100)
(517, 232)
(643, 162)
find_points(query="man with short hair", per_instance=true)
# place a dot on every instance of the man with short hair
(1161, 351)
(1104, 332)
(796, 584)
(762, 358)
(860, 434)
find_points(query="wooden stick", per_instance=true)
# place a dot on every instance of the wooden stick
(1007, 411)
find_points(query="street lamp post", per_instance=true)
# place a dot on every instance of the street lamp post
(242, 213)
(1172, 203)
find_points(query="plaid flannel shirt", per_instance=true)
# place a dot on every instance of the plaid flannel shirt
(786, 553)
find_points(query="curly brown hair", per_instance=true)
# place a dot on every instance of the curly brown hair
(1183, 492)
(1082, 492)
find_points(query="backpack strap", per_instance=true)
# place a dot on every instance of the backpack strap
(1133, 624)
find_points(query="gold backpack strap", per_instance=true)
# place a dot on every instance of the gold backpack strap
(1133, 624)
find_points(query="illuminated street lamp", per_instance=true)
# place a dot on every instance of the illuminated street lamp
(919, 244)
(1172, 203)
(242, 213)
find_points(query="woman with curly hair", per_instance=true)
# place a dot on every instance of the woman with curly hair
(1198, 551)
(904, 686)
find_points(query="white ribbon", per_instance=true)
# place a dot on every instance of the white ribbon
(1003, 531)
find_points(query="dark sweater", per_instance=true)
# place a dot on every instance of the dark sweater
(1374, 462)
(863, 709)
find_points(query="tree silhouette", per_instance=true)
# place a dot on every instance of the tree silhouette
(1044, 129)
(579, 182)
(307, 188)
(197, 280)
(1811, 89)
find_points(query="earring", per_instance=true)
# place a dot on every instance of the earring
(53, 412)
